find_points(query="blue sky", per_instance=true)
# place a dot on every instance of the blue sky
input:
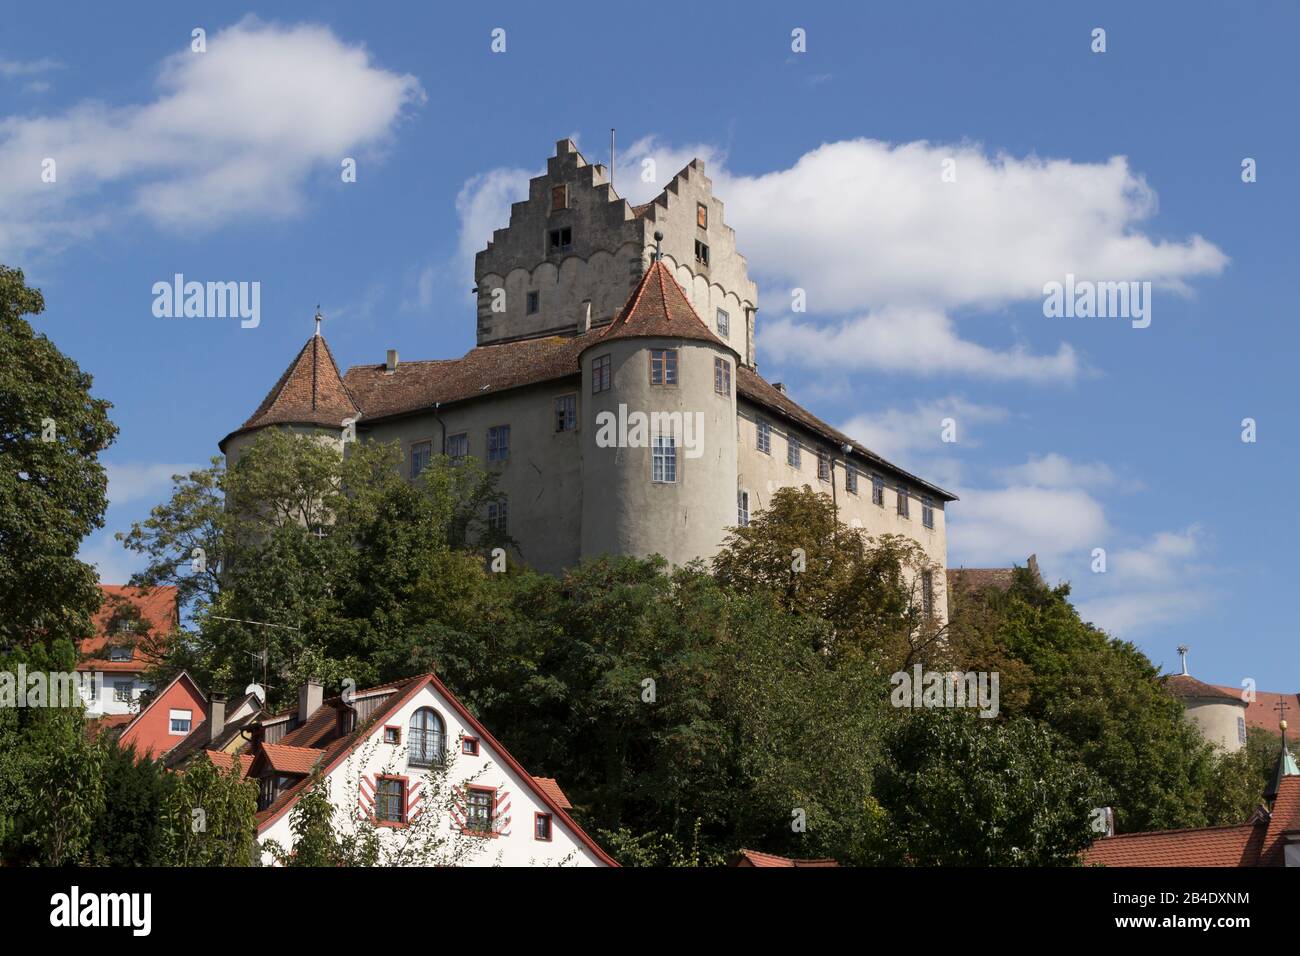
(924, 297)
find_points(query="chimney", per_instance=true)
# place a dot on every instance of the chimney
(779, 386)
(390, 364)
(310, 696)
(584, 323)
(216, 716)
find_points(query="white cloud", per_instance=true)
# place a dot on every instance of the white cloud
(1129, 614)
(483, 205)
(894, 433)
(11, 68)
(113, 562)
(134, 481)
(232, 133)
(921, 341)
(1164, 557)
(1057, 471)
(998, 527)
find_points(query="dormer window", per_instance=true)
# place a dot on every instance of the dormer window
(561, 240)
(119, 653)
(701, 253)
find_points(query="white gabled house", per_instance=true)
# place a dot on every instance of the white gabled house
(408, 762)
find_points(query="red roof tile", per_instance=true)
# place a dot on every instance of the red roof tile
(158, 611)
(659, 308)
(224, 761)
(285, 758)
(552, 789)
(1187, 687)
(310, 392)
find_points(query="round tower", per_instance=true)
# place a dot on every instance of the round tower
(659, 431)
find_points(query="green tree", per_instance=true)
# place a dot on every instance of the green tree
(209, 818)
(130, 829)
(960, 790)
(52, 485)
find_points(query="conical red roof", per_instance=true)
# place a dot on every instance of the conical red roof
(659, 308)
(310, 392)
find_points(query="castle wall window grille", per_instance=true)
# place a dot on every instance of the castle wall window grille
(421, 452)
(600, 374)
(663, 366)
(663, 467)
(498, 443)
(566, 413)
(764, 436)
(560, 240)
(722, 376)
(426, 739)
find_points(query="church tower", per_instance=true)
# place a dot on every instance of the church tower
(574, 251)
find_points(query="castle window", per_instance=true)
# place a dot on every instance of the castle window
(497, 516)
(559, 198)
(663, 366)
(902, 501)
(533, 302)
(701, 253)
(701, 215)
(742, 508)
(498, 443)
(878, 490)
(764, 436)
(724, 324)
(420, 454)
(542, 827)
(561, 240)
(600, 374)
(664, 459)
(566, 413)
(390, 800)
(927, 512)
(792, 456)
(850, 480)
(722, 376)
(823, 466)
(927, 593)
(1241, 729)
(457, 447)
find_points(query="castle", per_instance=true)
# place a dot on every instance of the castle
(592, 311)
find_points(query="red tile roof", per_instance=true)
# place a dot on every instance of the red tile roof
(754, 858)
(224, 761)
(285, 758)
(659, 308)
(1258, 843)
(552, 789)
(1187, 687)
(1262, 712)
(310, 392)
(158, 611)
